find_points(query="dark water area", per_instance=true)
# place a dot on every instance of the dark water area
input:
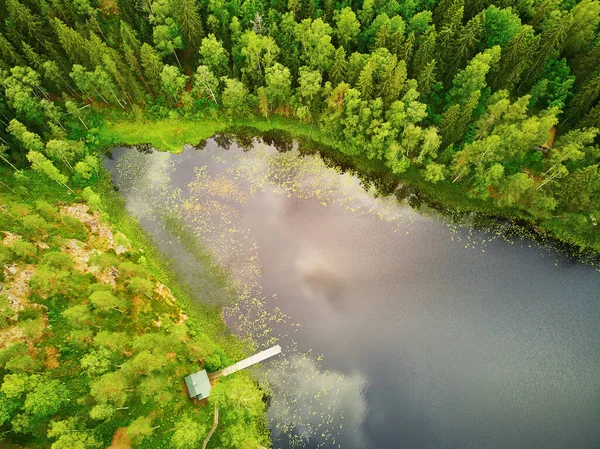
(399, 329)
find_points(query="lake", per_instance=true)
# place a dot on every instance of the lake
(399, 329)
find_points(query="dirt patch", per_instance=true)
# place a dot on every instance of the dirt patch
(51, 361)
(164, 292)
(81, 212)
(140, 305)
(17, 290)
(120, 439)
(11, 335)
(80, 254)
(10, 238)
(41, 245)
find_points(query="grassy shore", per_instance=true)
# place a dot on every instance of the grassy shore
(450, 198)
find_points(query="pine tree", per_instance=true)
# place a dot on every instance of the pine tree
(448, 124)
(9, 56)
(152, 66)
(365, 81)
(425, 52)
(426, 78)
(190, 23)
(514, 59)
(337, 74)
(405, 49)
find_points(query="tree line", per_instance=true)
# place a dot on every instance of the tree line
(500, 98)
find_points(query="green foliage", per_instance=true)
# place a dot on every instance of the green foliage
(235, 97)
(46, 398)
(140, 429)
(188, 434)
(455, 97)
(24, 250)
(500, 26)
(105, 301)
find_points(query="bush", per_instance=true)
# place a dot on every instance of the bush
(72, 228)
(24, 250)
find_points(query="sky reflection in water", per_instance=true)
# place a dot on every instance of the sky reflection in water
(431, 336)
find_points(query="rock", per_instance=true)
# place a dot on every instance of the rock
(10, 238)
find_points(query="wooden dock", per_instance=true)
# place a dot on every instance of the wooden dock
(252, 360)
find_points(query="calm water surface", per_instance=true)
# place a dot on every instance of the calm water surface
(399, 331)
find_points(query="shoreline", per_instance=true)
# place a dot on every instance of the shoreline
(453, 204)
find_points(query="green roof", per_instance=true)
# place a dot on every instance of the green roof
(198, 385)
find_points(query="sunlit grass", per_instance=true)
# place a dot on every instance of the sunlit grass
(167, 135)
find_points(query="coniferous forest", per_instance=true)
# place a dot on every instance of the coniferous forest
(488, 107)
(497, 100)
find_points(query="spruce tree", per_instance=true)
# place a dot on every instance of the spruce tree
(448, 124)
(592, 118)
(25, 22)
(446, 11)
(74, 45)
(584, 99)
(587, 64)
(425, 52)
(383, 37)
(32, 57)
(152, 66)
(365, 81)
(552, 41)
(8, 55)
(514, 59)
(394, 82)
(405, 49)
(337, 74)
(463, 46)
(190, 23)
(426, 78)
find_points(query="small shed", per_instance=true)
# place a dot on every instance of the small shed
(198, 385)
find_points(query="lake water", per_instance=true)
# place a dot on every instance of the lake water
(399, 330)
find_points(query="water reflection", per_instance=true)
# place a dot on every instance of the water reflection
(432, 335)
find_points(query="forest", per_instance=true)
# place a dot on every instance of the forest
(497, 101)
(495, 105)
